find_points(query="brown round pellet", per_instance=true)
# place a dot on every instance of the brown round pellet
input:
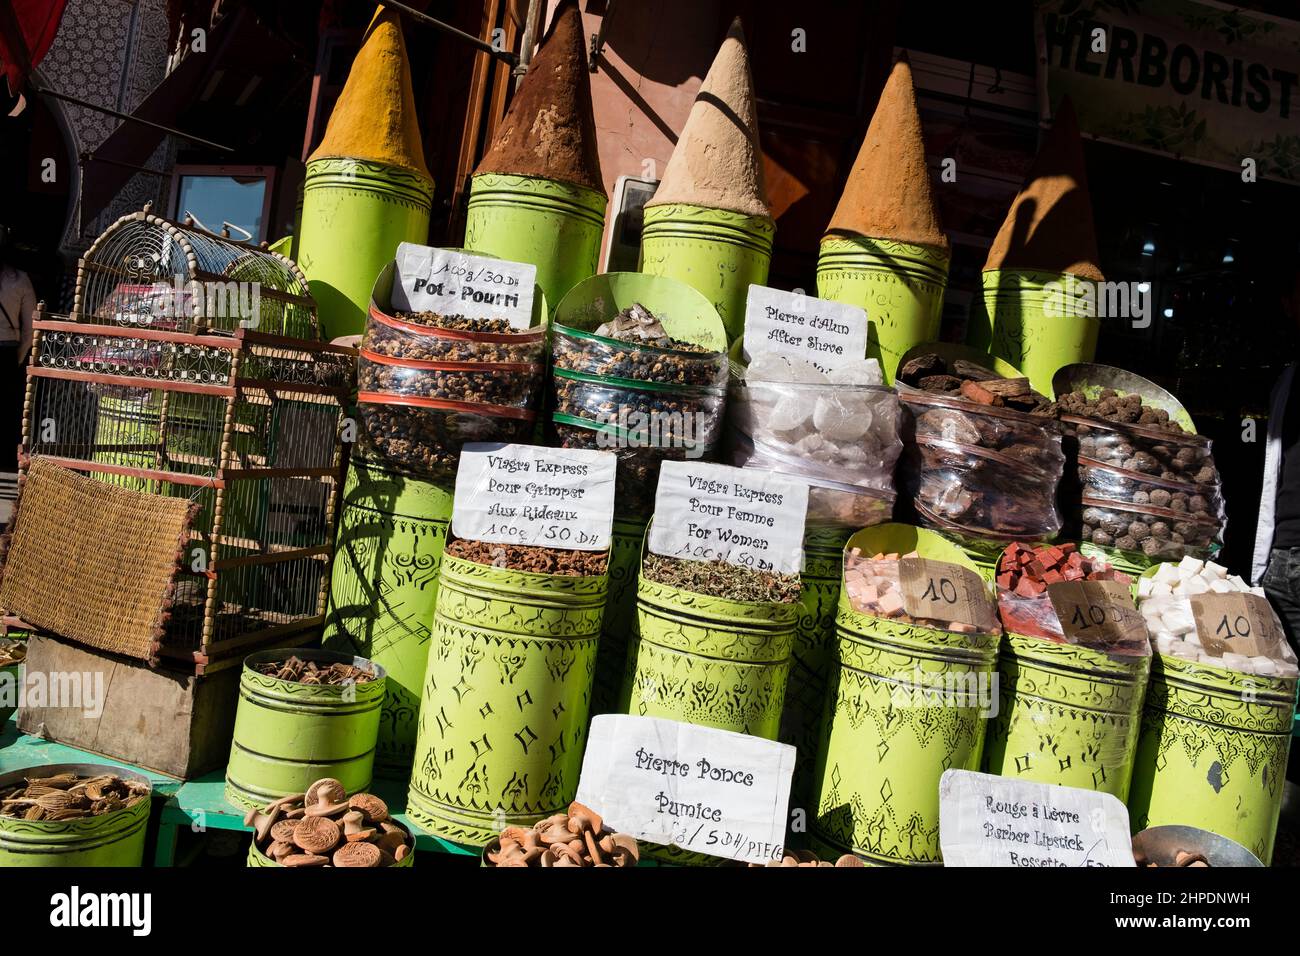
(316, 834)
(282, 831)
(375, 810)
(326, 790)
(358, 855)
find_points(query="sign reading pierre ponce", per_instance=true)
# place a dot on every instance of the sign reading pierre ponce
(698, 788)
(527, 495)
(749, 518)
(1198, 80)
(457, 283)
(827, 334)
(985, 820)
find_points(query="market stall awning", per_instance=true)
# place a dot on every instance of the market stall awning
(27, 28)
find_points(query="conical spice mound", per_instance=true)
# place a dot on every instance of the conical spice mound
(1049, 226)
(375, 118)
(717, 162)
(549, 131)
(887, 195)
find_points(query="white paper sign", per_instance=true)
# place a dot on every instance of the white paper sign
(702, 789)
(525, 494)
(455, 283)
(827, 334)
(750, 518)
(1000, 821)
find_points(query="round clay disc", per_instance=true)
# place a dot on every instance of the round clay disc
(282, 830)
(316, 834)
(376, 810)
(358, 854)
(305, 859)
(328, 789)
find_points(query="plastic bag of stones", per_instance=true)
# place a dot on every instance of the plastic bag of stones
(424, 435)
(1167, 453)
(428, 337)
(789, 417)
(681, 363)
(977, 491)
(636, 474)
(1103, 483)
(837, 505)
(516, 385)
(1159, 533)
(873, 584)
(1165, 601)
(642, 406)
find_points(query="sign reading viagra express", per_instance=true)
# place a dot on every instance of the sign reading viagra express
(1198, 80)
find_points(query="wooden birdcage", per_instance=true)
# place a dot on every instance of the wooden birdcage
(192, 366)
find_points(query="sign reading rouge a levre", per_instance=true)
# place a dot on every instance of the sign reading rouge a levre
(454, 283)
(750, 518)
(528, 495)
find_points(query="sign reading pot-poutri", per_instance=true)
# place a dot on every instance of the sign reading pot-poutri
(698, 788)
(753, 519)
(827, 334)
(528, 495)
(453, 283)
(998, 821)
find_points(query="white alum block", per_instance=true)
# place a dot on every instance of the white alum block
(1167, 574)
(1190, 565)
(1215, 570)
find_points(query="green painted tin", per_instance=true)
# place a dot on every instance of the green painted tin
(1034, 326)
(555, 226)
(256, 858)
(1067, 715)
(11, 679)
(354, 214)
(503, 721)
(812, 653)
(1213, 751)
(719, 252)
(709, 661)
(289, 735)
(903, 706)
(112, 839)
(900, 286)
(620, 614)
(383, 589)
(127, 430)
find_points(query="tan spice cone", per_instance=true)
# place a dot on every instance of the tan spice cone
(1049, 226)
(375, 116)
(888, 195)
(717, 162)
(549, 132)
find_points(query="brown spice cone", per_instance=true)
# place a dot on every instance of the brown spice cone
(888, 195)
(717, 162)
(1049, 227)
(550, 129)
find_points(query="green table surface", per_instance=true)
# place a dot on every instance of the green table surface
(200, 803)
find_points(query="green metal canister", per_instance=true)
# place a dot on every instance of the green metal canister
(110, 839)
(903, 706)
(811, 654)
(11, 679)
(716, 251)
(1213, 752)
(392, 529)
(1067, 715)
(1037, 321)
(900, 286)
(553, 225)
(289, 734)
(503, 720)
(709, 661)
(620, 613)
(355, 213)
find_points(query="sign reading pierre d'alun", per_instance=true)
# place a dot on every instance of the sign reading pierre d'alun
(1199, 80)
